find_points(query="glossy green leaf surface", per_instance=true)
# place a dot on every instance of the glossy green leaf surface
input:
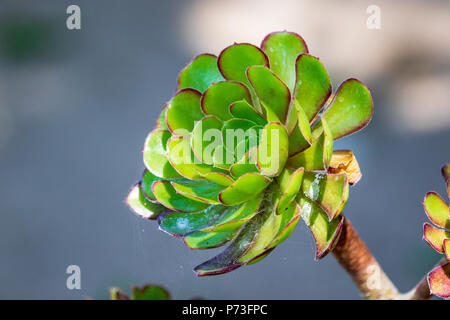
(313, 86)
(200, 190)
(318, 156)
(325, 232)
(439, 281)
(209, 240)
(154, 153)
(219, 178)
(235, 216)
(273, 149)
(141, 206)
(289, 189)
(243, 189)
(242, 109)
(146, 184)
(301, 138)
(234, 61)
(218, 98)
(350, 110)
(187, 103)
(169, 198)
(329, 191)
(287, 221)
(182, 158)
(200, 73)
(235, 131)
(203, 139)
(182, 223)
(271, 91)
(437, 210)
(282, 48)
(244, 245)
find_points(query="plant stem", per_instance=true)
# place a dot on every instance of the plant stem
(368, 276)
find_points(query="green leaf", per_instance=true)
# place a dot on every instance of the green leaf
(181, 223)
(242, 109)
(209, 240)
(155, 158)
(215, 175)
(439, 281)
(300, 138)
(200, 73)
(219, 178)
(146, 185)
(273, 149)
(282, 48)
(246, 164)
(182, 158)
(183, 110)
(243, 189)
(149, 292)
(230, 258)
(318, 156)
(325, 232)
(169, 198)
(223, 158)
(218, 98)
(234, 60)
(204, 142)
(329, 191)
(275, 228)
(239, 169)
(287, 224)
(289, 188)
(235, 216)
(437, 210)
(234, 131)
(350, 110)
(273, 94)
(435, 237)
(200, 190)
(137, 202)
(313, 86)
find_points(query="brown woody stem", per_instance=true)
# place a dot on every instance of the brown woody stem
(370, 279)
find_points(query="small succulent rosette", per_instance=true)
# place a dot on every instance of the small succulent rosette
(243, 151)
(438, 236)
(145, 292)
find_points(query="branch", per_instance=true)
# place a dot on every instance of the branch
(368, 276)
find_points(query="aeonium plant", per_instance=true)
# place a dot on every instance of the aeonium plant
(438, 237)
(244, 150)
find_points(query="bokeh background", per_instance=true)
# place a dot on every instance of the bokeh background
(76, 106)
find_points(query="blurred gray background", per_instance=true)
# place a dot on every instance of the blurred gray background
(76, 106)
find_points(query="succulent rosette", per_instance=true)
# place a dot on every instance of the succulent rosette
(244, 150)
(437, 235)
